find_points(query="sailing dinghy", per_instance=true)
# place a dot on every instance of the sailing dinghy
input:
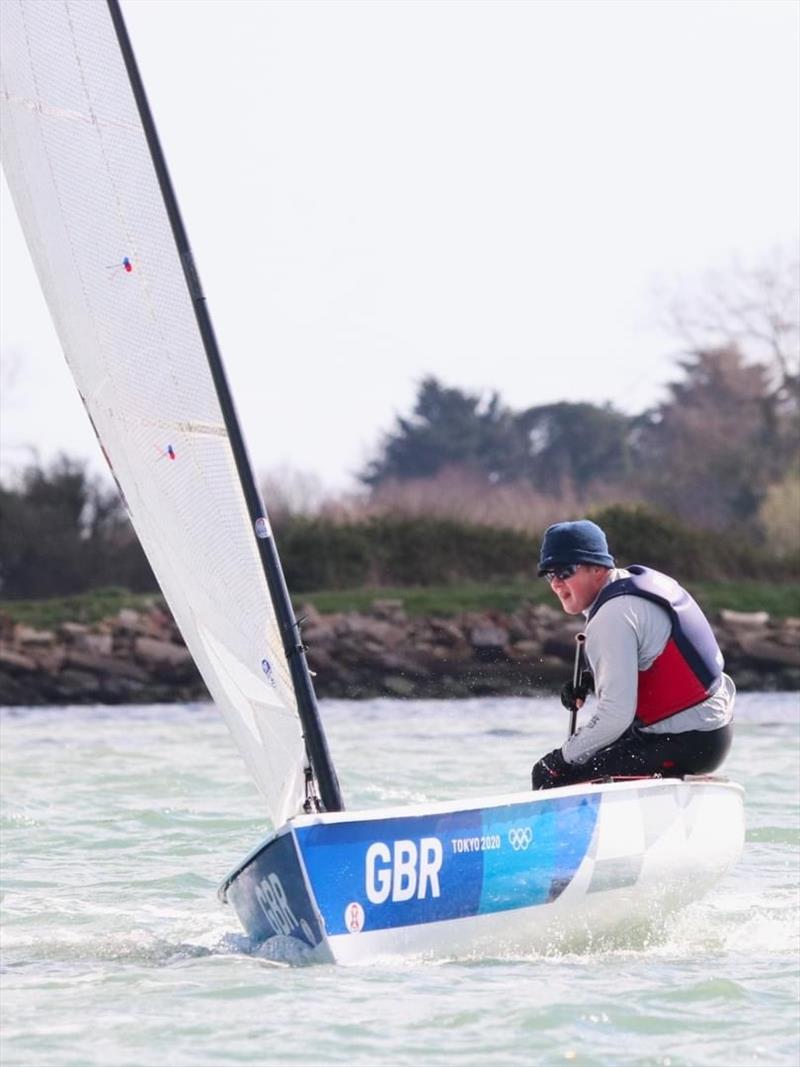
(479, 876)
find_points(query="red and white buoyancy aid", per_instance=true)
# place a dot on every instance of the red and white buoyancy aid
(689, 668)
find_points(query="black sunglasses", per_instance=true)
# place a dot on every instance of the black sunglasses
(562, 573)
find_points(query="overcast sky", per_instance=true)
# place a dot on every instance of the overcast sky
(490, 192)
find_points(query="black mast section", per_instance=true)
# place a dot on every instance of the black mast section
(316, 743)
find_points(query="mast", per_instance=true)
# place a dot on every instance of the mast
(314, 736)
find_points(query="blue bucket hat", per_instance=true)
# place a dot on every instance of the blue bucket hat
(574, 542)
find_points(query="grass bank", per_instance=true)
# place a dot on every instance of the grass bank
(780, 600)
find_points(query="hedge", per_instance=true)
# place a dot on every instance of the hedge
(395, 551)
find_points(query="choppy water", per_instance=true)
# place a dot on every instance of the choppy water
(118, 823)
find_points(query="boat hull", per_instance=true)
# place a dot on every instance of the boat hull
(490, 876)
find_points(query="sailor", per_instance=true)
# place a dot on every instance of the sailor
(663, 705)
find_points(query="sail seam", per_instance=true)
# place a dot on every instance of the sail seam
(65, 113)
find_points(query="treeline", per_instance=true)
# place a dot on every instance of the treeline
(63, 532)
(319, 553)
(705, 483)
(720, 453)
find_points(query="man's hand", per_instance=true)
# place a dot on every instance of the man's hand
(551, 770)
(574, 696)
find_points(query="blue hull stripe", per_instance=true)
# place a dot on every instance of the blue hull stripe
(420, 869)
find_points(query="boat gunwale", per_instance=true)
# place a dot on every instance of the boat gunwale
(444, 807)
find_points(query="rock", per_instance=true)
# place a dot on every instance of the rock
(122, 690)
(315, 635)
(50, 660)
(525, 650)
(393, 610)
(549, 669)
(447, 632)
(140, 657)
(748, 679)
(489, 642)
(438, 654)
(128, 619)
(105, 665)
(27, 635)
(562, 643)
(544, 613)
(14, 691)
(99, 644)
(75, 682)
(488, 636)
(399, 661)
(166, 661)
(14, 661)
(744, 618)
(309, 616)
(398, 686)
(320, 661)
(765, 651)
(150, 651)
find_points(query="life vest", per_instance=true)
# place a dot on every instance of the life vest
(689, 669)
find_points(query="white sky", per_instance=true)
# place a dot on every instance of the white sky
(491, 192)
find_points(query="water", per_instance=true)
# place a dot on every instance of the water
(118, 823)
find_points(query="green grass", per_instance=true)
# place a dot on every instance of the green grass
(429, 600)
(780, 600)
(84, 607)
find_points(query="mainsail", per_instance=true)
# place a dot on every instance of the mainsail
(92, 193)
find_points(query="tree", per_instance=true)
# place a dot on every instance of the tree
(753, 309)
(561, 449)
(450, 428)
(779, 516)
(63, 532)
(753, 315)
(573, 446)
(708, 453)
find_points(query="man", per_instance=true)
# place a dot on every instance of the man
(663, 704)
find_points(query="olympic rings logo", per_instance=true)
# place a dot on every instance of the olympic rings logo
(520, 837)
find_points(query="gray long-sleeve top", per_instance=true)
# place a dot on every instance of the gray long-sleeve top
(622, 639)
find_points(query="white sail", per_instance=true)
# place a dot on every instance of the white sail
(86, 191)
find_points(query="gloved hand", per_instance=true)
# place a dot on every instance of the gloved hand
(551, 770)
(571, 694)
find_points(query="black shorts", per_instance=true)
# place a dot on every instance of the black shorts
(670, 755)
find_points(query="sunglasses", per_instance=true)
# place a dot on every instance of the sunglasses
(562, 573)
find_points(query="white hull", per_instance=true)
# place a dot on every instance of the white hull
(491, 876)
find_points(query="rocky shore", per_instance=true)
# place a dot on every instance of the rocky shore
(139, 657)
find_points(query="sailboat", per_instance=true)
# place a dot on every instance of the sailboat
(477, 876)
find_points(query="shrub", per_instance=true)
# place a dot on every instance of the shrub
(321, 554)
(641, 535)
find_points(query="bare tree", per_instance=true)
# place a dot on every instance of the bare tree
(713, 447)
(288, 492)
(755, 309)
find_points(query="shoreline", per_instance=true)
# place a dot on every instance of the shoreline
(138, 657)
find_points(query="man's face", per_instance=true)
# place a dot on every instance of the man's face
(577, 592)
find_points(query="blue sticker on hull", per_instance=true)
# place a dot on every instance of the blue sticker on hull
(383, 873)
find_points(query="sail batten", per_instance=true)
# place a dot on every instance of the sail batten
(115, 267)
